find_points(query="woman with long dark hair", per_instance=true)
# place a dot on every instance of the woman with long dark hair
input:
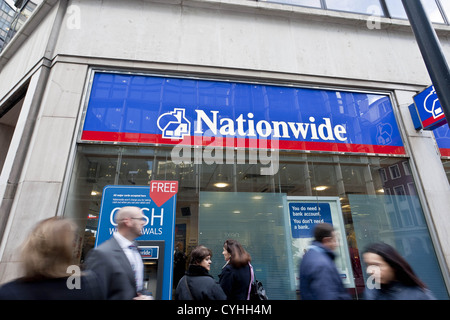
(393, 276)
(236, 275)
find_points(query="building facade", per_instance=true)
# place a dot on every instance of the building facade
(272, 117)
(6, 18)
(23, 12)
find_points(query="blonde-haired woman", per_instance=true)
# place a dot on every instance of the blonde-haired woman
(48, 266)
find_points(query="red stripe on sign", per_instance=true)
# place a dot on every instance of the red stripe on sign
(444, 152)
(104, 136)
(430, 121)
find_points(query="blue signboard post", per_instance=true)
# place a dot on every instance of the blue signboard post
(160, 224)
(427, 112)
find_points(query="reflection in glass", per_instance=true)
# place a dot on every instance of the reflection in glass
(398, 220)
(251, 205)
(257, 221)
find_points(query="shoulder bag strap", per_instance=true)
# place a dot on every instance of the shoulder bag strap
(252, 279)
(187, 286)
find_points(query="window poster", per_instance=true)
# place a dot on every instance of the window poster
(306, 212)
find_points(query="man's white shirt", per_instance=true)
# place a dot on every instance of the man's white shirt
(134, 257)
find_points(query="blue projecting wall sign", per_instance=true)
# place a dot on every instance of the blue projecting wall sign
(427, 112)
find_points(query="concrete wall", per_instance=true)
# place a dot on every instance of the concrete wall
(39, 186)
(244, 36)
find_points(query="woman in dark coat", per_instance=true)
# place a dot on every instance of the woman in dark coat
(198, 284)
(393, 278)
(235, 276)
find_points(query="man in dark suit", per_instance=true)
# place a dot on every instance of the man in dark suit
(117, 262)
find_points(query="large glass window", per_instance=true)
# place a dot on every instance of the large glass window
(446, 164)
(358, 6)
(433, 11)
(399, 222)
(257, 221)
(367, 199)
(445, 4)
(305, 3)
(394, 8)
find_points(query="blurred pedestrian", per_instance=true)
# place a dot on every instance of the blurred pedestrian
(198, 284)
(117, 261)
(319, 278)
(50, 272)
(392, 276)
(236, 275)
(179, 263)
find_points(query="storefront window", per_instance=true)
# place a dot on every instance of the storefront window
(398, 220)
(259, 163)
(258, 222)
(220, 201)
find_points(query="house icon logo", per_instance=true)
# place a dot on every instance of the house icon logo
(432, 105)
(174, 124)
(384, 133)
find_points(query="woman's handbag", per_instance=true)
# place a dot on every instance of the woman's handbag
(256, 291)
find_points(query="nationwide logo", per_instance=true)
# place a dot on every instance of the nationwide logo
(174, 125)
(384, 133)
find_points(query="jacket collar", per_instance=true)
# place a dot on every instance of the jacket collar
(316, 245)
(197, 271)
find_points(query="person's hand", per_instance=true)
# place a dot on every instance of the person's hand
(143, 297)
